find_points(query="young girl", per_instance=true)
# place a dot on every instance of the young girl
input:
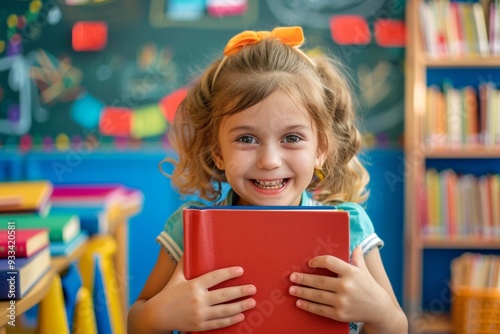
(276, 125)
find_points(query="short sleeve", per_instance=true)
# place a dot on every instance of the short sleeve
(172, 236)
(361, 228)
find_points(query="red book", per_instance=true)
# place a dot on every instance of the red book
(22, 242)
(269, 243)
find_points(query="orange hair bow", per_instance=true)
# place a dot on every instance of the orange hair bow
(291, 36)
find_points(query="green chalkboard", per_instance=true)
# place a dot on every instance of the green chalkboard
(50, 93)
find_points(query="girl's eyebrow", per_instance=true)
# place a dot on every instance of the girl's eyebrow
(249, 128)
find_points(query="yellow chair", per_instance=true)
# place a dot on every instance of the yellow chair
(84, 318)
(100, 252)
(52, 317)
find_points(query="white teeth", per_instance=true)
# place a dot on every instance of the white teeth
(275, 184)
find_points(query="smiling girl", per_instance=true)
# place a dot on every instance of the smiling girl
(279, 127)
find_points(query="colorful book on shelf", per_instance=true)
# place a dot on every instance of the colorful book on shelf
(71, 283)
(25, 196)
(93, 219)
(87, 194)
(62, 248)
(269, 243)
(19, 276)
(96, 205)
(62, 227)
(20, 242)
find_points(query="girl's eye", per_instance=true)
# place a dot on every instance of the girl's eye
(247, 140)
(292, 138)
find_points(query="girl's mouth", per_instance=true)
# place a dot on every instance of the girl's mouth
(270, 185)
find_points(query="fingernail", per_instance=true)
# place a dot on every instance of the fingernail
(293, 277)
(292, 290)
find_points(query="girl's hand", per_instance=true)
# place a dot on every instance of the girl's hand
(353, 296)
(188, 305)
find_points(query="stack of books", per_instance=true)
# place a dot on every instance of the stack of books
(97, 205)
(24, 259)
(27, 205)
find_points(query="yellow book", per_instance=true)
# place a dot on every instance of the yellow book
(25, 196)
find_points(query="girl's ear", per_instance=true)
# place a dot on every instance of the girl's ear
(219, 163)
(320, 160)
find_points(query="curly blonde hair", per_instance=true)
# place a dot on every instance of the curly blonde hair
(234, 83)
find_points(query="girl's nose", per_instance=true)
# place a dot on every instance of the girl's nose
(269, 157)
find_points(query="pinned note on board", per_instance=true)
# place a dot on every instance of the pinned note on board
(390, 33)
(349, 30)
(219, 8)
(185, 10)
(89, 36)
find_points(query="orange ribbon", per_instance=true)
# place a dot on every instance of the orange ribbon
(291, 36)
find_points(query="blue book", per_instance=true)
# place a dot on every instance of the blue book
(19, 275)
(101, 301)
(71, 282)
(60, 248)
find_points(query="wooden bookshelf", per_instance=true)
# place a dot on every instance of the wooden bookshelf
(417, 157)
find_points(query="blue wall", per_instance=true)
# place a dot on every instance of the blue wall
(139, 170)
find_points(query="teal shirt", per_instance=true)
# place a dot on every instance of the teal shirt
(361, 227)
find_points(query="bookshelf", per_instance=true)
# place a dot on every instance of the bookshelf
(420, 156)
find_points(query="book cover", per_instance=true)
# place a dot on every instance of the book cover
(62, 227)
(71, 282)
(269, 243)
(93, 219)
(22, 242)
(18, 276)
(25, 196)
(61, 248)
(87, 194)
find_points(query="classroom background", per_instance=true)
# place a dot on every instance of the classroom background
(88, 89)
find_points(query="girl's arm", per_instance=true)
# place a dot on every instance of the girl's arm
(170, 302)
(138, 315)
(361, 293)
(396, 321)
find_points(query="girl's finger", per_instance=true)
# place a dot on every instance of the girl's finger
(314, 295)
(315, 281)
(227, 294)
(220, 275)
(229, 310)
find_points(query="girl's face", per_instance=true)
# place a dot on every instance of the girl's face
(269, 151)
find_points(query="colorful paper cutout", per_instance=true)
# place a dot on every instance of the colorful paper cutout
(171, 102)
(86, 111)
(220, 8)
(350, 29)
(89, 36)
(185, 10)
(116, 121)
(148, 121)
(390, 33)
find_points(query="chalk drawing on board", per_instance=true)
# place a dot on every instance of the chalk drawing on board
(377, 87)
(147, 79)
(57, 80)
(158, 18)
(317, 13)
(17, 70)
